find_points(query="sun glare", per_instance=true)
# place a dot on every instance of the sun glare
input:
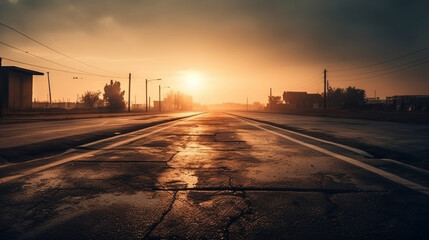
(193, 80)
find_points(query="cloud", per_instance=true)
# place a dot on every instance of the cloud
(277, 31)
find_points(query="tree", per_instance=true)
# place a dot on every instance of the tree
(177, 101)
(114, 97)
(335, 97)
(350, 97)
(354, 97)
(91, 99)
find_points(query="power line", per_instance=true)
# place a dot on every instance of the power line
(34, 55)
(382, 62)
(34, 40)
(306, 82)
(383, 74)
(59, 70)
(383, 69)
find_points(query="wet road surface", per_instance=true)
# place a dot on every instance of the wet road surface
(211, 176)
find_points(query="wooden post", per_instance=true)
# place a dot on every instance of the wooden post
(49, 86)
(129, 92)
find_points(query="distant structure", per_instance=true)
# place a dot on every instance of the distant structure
(409, 103)
(375, 103)
(275, 103)
(302, 100)
(156, 105)
(375, 100)
(16, 88)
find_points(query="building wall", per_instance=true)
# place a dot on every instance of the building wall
(4, 87)
(20, 91)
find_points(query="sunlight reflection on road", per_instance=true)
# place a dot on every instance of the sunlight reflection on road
(191, 155)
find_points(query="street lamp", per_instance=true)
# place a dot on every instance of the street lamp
(160, 96)
(150, 80)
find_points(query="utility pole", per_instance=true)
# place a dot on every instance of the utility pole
(327, 92)
(146, 94)
(271, 99)
(49, 86)
(149, 104)
(129, 92)
(247, 103)
(158, 79)
(324, 89)
(175, 101)
(159, 100)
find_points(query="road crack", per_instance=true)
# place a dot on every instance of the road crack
(170, 159)
(161, 219)
(246, 211)
(229, 179)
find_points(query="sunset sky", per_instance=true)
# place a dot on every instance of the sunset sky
(221, 50)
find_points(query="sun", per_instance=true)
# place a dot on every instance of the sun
(193, 80)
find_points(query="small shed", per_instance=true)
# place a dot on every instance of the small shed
(16, 88)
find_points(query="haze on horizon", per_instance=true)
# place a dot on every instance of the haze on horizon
(222, 51)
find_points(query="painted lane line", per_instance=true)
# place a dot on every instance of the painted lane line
(352, 149)
(385, 174)
(421, 170)
(71, 150)
(130, 133)
(94, 152)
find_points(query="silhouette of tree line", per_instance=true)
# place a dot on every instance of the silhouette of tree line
(349, 97)
(177, 101)
(113, 98)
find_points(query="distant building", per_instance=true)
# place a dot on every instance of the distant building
(375, 100)
(137, 106)
(156, 105)
(16, 88)
(375, 103)
(302, 100)
(409, 103)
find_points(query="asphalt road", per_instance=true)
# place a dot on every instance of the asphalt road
(403, 142)
(39, 129)
(213, 176)
(25, 138)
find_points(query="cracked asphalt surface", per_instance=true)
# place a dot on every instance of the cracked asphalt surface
(210, 177)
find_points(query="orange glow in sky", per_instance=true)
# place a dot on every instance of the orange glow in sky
(216, 51)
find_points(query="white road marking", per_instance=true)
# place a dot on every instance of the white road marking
(395, 178)
(405, 165)
(94, 152)
(352, 149)
(15, 140)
